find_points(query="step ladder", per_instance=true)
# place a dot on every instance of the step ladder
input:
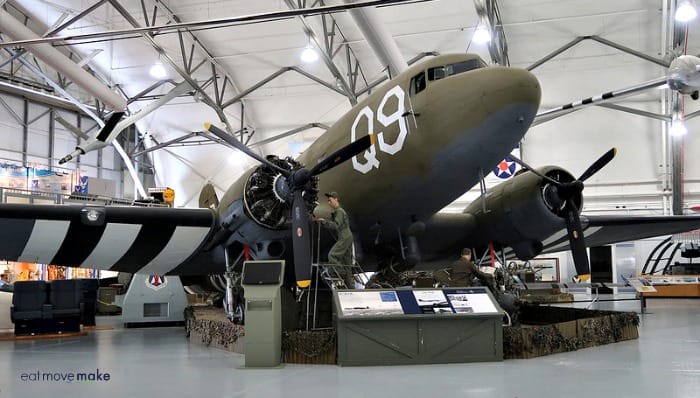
(333, 275)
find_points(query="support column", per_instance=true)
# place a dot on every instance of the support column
(52, 136)
(677, 174)
(25, 131)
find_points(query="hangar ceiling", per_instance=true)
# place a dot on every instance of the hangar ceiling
(249, 76)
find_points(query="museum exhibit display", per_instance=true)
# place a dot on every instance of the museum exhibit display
(486, 197)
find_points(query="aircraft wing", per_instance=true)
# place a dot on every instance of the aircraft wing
(148, 240)
(603, 230)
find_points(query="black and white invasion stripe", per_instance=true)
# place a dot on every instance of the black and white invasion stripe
(153, 241)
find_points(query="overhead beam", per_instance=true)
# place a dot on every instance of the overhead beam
(90, 113)
(167, 143)
(638, 112)
(275, 75)
(324, 55)
(212, 23)
(170, 61)
(59, 62)
(490, 17)
(600, 40)
(289, 133)
(379, 38)
(57, 29)
(208, 57)
(382, 79)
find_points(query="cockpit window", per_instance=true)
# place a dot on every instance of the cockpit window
(417, 84)
(436, 73)
(440, 72)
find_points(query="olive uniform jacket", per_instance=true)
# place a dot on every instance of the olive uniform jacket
(341, 252)
(464, 271)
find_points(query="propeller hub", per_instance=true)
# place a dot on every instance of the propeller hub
(570, 189)
(281, 188)
(551, 196)
(559, 188)
(300, 178)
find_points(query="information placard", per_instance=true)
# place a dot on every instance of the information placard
(432, 302)
(416, 302)
(640, 287)
(470, 301)
(369, 302)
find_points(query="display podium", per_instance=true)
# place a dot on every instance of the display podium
(263, 312)
(418, 326)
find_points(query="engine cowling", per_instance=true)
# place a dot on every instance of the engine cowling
(256, 210)
(523, 211)
(267, 197)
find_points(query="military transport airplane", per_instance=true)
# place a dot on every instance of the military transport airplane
(396, 158)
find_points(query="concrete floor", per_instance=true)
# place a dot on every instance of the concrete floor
(663, 362)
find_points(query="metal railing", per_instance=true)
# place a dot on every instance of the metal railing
(15, 195)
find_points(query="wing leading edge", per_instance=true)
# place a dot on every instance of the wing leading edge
(147, 240)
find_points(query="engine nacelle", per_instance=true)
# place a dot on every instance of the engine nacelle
(523, 211)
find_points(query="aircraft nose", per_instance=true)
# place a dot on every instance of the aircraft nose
(502, 87)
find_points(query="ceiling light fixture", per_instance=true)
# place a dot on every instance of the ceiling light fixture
(309, 54)
(481, 35)
(678, 128)
(158, 71)
(686, 11)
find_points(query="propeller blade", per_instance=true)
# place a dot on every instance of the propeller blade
(231, 140)
(301, 241)
(576, 242)
(343, 154)
(532, 169)
(208, 198)
(598, 164)
(109, 126)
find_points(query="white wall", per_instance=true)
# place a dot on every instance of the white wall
(38, 145)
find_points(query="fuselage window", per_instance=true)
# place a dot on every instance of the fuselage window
(417, 83)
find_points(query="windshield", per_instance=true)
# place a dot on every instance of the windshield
(440, 72)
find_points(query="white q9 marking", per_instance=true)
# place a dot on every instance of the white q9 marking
(387, 120)
(370, 155)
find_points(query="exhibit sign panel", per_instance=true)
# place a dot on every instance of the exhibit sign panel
(415, 301)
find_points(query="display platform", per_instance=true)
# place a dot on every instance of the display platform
(672, 286)
(547, 330)
(208, 326)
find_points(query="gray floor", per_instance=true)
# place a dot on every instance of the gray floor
(664, 362)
